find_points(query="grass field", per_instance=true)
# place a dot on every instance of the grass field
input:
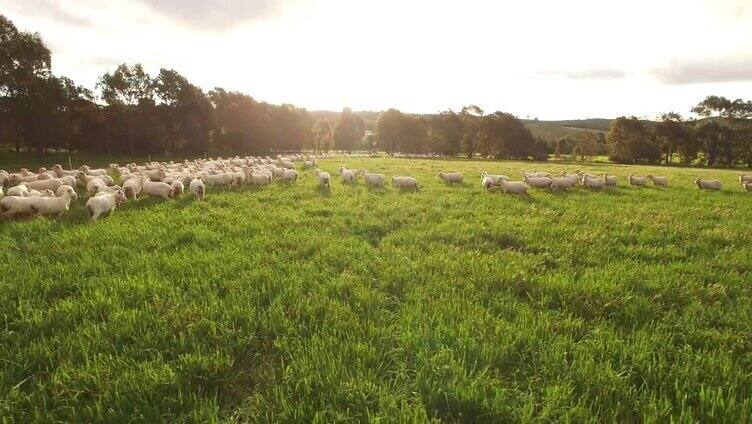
(287, 304)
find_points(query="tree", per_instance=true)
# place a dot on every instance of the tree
(717, 143)
(322, 135)
(672, 136)
(185, 111)
(389, 128)
(445, 133)
(471, 116)
(629, 142)
(349, 130)
(564, 146)
(585, 145)
(502, 135)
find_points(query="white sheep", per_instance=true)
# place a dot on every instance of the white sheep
(405, 183)
(44, 184)
(575, 176)
(104, 203)
(177, 188)
(132, 188)
(224, 179)
(496, 178)
(713, 185)
(372, 179)
(290, 176)
(196, 187)
(451, 177)
(562, 182)
(535, 174)
(92, 187)
(658, 181)
(487, 182)
(18, 191)
(15, 205)
(57, 206)
(747, 185)
(610, 180)
(57, 169)
(156, 175)
(4, 176)
(43, 193)
(260, 178)
(743, 178)
(325, 180)
(537, 182)
(110, 189)
(94, 172)
(637, 181)
(593, 183)
(514, 187)
(157, 189)
(348, 175)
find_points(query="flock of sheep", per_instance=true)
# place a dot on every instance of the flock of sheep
(49, 192)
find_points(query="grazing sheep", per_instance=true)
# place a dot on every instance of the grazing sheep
(451, 177)
(1, 192)
(373, 180)
(157, 189)
(610, 180)
(496, 178)
(104, 203)
(16, 205)
(92, 187)
(287, 165)
(278, 172)
(93, 172)
(156, 175)
(132, 188)
(60, 172)
(562, 182)
(348, 175)
(325, 180)
(260, 178)
(110, 189)
(514, 187)
(575, 176)
(57, 206)
(18, 191)
(535, 174)
(743, 178)
(4, 176)
(43, 193)
(487, 182)
(593, 183)
(747, 185)
(658, 181)
(537, 182)
(224, 179)
(196, 187)
(44, 176)
(713, 185)
(405, 183)
(177, 188)
(290, 176)
(637, 181)
(44, 184)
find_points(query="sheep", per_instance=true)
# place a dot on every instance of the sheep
(325, 180)
(177, 188)
(156, 175)
(373, 180)
(1, 192)
(238, 179)
(260, 178)
(18, 191)
(610, 180)
(110, 189)
(658, 181)
(405, 183)
(309, 163)
(16, 205)
(743, 178)
(104, 203)
(537, 182)
(44, 176)
(287, 165)
(713, 185)
(451, 177)
(487, 182)
(60, 172)
(44, 184)
(514, 187)
(54, 205)
(637, 181)
(196, 187)
(92, 187)
(4, 176)
(157, 189)
(593, 183)
(348, 175)
(575, 176)
(278, 172)
(132, 188)
(43, 193)
(67, 180)
(19, 178)
(535, 174)
(562, 182)
(496, 178)
(93, 172)
(131, 176)
(747, 185)
(290, 176)
(221, 179)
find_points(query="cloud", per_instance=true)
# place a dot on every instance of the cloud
(52, 9)
(705, 70)
(588, 74)
(214, 15)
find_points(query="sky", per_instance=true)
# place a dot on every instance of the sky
(544, 59)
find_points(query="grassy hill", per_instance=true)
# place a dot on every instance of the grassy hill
(292, 304)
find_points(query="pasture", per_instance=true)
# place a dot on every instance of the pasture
(291, 304)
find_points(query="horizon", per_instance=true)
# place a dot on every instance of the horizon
(573, 62)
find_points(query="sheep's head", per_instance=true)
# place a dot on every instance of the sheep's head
(120, 197)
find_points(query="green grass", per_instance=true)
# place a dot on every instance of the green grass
(286, 304)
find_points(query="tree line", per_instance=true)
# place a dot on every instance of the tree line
(136, 113)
